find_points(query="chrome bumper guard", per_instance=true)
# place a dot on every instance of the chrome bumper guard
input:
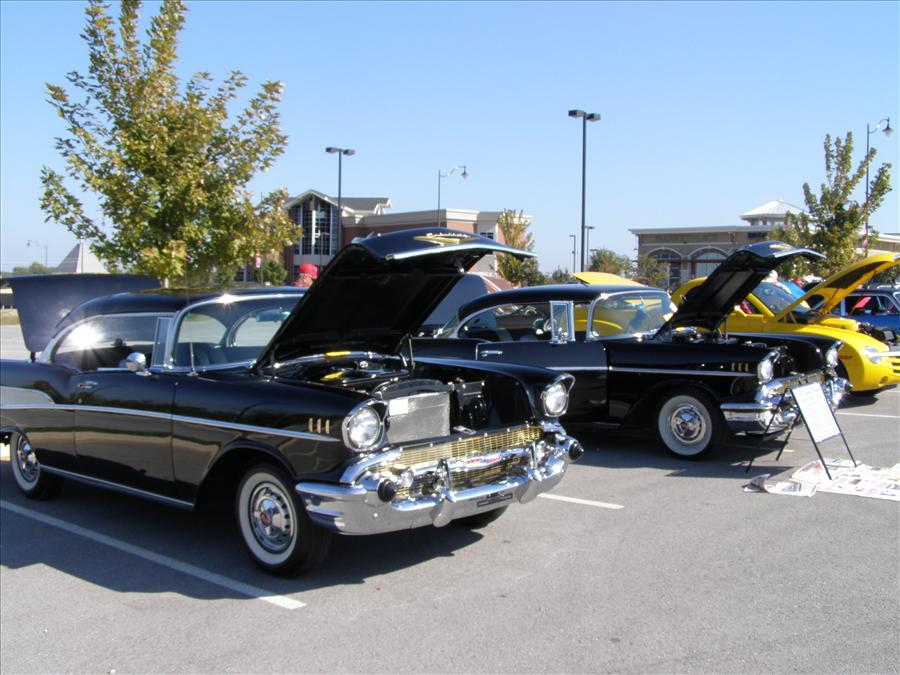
(765, 415)
(366, 499)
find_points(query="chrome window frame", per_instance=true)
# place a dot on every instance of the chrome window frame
(560, 335)
(47, 354)
(588, 337)
(175, 325)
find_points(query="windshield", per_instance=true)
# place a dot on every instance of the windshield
(777, 298)
(628, 313)
(230, 330)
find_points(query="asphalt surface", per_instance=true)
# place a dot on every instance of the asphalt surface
(691, 574)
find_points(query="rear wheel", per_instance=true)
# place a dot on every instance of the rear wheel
(480, 520)
(689, 424)
(274, 525)
(32, 480)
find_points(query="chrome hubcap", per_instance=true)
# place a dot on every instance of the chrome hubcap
(26, 460)
(687, 424)
(271, 518)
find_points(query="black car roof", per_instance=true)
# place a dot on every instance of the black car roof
(163, 301)
(558, 292)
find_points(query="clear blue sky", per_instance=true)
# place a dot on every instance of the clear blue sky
(708, 109)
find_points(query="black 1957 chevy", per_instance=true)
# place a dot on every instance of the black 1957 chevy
(307, 410)
(640, 363)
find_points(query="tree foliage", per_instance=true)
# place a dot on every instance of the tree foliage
(834, 222)
(651, 271)
(514, 228)
(607, 260)
(559, 276)
(167, 166)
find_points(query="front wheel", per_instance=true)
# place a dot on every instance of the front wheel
(274, 525)
(32, 480)
(689, 424)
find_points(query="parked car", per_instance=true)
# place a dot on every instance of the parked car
(305, 410)
(878, 307)
(640, 363)
(866, 360)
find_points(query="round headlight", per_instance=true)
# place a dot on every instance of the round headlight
(765, 371)
(873, 355)
(363, 429)
(555, 399)
(831, 357)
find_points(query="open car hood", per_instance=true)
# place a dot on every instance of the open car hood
(827, 295)
(378, 290)
(43, 300)
(707, 305)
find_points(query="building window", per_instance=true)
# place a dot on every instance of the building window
(706, 261)
(673, 260)
(319, 221)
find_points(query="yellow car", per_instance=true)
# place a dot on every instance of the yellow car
(868, 363)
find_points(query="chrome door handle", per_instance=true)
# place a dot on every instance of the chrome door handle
(491, 352)
(88, 385)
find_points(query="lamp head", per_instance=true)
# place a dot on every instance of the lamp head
(576, 113)
(592, 117)
(887, 130)
(464, 174)
(332, 150)
(348, 152)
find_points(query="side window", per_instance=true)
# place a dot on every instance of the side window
(510, 323)
(105, 342)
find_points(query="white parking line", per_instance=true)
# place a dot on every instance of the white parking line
(165, 561)
(584, 502)
(887, 417)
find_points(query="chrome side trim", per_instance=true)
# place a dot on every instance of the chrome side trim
(664, 371)
(118, 487)
(219, 424)
(569, 369)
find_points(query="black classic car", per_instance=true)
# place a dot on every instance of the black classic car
(307, 411)
(639, 362)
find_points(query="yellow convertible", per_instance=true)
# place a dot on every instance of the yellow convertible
(868, 363)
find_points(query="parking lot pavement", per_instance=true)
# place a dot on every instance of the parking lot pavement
(12, 346)
(690, 574)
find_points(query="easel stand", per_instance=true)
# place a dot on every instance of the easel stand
(818, 417)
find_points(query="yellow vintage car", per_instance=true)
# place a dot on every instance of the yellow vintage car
(868, 363)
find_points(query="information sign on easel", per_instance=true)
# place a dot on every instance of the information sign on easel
(819, 418)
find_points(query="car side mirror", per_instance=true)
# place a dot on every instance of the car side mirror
(136, 362)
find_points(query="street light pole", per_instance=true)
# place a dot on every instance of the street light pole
(887, 132)
(464, 174)
(587, 241)
(585, 118)
(574, 246)
(39, 245)
(340, 229)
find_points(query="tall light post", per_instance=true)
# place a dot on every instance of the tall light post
(587, 242)
(441, 174)
(574, 246)
(887, 132)
(31, 242)
(340, 229)
(585, 118)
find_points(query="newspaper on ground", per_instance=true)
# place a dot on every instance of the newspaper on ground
(761, 483)
(860, 480)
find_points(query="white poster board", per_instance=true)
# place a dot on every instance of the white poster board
(816, 412)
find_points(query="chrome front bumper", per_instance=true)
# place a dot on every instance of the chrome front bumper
(366, 500)
(765, 415)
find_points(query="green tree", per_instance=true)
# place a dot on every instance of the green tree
(168, 168)
(273, 272)
(514, 228)
(559, 276)
(650, 271)
(33, 268)
(606, 260)
(834, 221)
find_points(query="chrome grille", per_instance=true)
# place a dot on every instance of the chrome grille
(895, 364)
(470, 446)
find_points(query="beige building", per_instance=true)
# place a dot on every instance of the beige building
(324, 233)
(695, 251)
